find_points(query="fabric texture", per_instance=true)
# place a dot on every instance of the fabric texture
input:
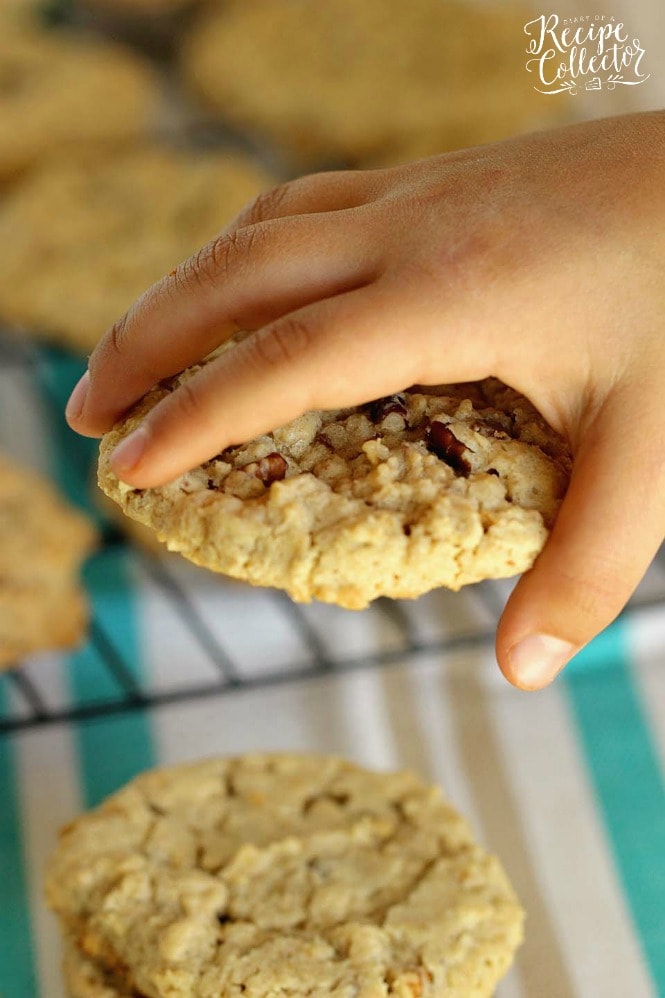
(565, 786)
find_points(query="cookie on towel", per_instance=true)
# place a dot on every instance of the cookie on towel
(42, 544)
(436, 486)
(269, 874)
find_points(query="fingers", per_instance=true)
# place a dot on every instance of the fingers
(317, 192)
(239, 281)
(309, 359)
(608, 530)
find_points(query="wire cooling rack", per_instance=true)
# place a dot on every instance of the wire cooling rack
(281, 642)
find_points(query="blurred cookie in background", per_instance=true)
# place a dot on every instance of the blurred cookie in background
(470, 124)
(154, 25)
(347, 82)
(26, 12)
(63, 92)
(15, 11)
(82, 240)
(137, 8)
(43, 542)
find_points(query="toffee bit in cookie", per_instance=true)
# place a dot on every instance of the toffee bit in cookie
(271, 468)
(443, 442)
(383, 407)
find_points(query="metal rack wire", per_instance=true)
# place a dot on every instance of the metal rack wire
(129, 692)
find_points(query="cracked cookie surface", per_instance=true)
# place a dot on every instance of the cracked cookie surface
(42, 544)
(437, 486)
(269, 875)
(84, 240)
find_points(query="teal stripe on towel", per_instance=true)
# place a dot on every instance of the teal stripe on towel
(628, 782)
(112, 749)
(17, 951)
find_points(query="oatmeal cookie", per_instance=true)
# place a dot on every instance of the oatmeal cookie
(15, 12)
(60, 92)
(42, 544)
(436, 486)
(281, 874)
(136, 533)
(82, 241)
(84, 978)
(153, 26)
(139, 8)
(352, 83)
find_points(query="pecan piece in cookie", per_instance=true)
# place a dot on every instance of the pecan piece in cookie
(383, 407)
(269, 469)
(346, 505)
(443, 442)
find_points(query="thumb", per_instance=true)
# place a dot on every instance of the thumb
(608, 529)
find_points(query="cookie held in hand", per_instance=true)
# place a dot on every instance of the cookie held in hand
(437, 486)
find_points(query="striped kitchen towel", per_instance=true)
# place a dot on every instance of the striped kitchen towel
(565, 785)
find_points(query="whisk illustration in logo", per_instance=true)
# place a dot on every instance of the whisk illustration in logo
(590, 52)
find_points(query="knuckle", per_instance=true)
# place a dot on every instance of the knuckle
(283, 342)
(191, 405)
(219, 260)
(116, 338)
(266, 205)
(224, 255)
(597, 591)
(187, 401)
(227, 255)
(121, 345)
(185, 278)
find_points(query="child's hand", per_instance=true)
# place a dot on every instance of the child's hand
(538, 260)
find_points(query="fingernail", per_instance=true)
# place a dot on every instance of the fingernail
(536, 660)
(77, 398)
(129, 452)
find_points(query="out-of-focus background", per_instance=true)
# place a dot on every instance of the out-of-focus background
(130, 132)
